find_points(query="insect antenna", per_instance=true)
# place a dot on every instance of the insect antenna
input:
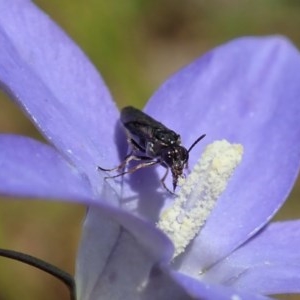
(196, 142)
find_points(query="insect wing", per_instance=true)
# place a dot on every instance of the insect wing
(141, 127)
(144, 129)
(131, 115)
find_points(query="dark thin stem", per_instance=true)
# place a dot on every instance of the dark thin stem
(44, 266)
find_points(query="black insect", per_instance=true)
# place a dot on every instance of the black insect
(152, 143)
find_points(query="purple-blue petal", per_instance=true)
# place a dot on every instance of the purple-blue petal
(268, 264)
(117, 248)
(29, 168)
(246, 91)
(54, 83)
(113, 260)
(212, 291)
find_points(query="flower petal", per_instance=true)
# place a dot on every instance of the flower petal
(29, 168)
(118, 260)
(162, 285)
(246, 91)
(114, 242)
(203, 290)
(56, 85)
(268, 264)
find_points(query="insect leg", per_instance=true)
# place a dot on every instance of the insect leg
(135, 145)
(137, 167)
(124, 163)
(162, 180)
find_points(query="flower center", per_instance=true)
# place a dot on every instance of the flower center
(183, 220)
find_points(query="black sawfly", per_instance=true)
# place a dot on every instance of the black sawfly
(152, 143)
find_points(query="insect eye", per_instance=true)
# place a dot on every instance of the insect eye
(184, 154)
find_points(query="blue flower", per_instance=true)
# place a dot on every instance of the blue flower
(246, 91)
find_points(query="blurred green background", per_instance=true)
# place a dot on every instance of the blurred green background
(135, 44)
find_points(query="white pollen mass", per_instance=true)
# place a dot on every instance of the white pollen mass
(183, 220)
